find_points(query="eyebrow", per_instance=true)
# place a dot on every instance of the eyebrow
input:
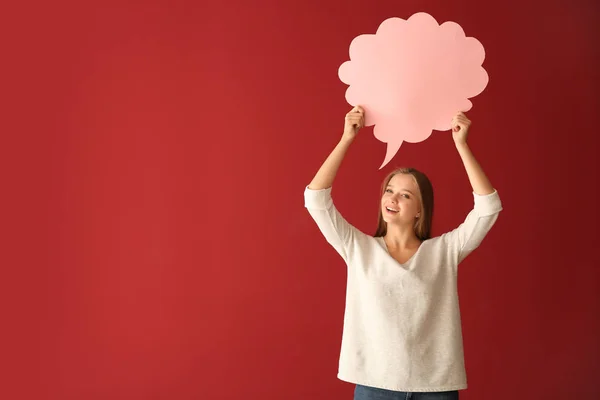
(406, 190)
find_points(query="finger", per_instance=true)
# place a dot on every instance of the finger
(356, 110)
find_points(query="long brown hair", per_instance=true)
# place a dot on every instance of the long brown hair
(423, 224)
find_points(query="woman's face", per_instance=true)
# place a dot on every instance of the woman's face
(401, 202)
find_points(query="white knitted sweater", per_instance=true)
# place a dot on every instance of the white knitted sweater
(402, 327)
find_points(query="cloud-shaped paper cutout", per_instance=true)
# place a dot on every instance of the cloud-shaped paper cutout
(412, 76)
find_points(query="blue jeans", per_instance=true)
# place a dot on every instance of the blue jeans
(370, 393)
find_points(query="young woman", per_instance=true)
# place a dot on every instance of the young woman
(402, 335)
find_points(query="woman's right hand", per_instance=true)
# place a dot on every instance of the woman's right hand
(355, 120)
(325, 176)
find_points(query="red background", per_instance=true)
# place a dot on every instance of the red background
(154, 158)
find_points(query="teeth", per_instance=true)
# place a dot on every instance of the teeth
(391, 209)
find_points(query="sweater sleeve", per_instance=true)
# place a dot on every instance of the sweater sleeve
(469, 235)
(336, 230)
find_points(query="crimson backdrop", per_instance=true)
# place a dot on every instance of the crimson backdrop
(154, 159)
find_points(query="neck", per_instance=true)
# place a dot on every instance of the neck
(399, 237)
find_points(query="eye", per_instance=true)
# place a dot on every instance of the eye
(388, 190)
(406, 196)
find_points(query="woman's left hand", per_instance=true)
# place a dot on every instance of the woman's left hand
(460, 128)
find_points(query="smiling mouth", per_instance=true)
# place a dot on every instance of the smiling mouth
(391, 210)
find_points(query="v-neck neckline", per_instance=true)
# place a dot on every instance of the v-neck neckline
(407, 262)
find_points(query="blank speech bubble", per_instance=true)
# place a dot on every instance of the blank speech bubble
(412, 76)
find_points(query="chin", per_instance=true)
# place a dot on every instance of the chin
(385, 217)
(388, 219)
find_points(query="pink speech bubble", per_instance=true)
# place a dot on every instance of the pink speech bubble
(412, 76)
